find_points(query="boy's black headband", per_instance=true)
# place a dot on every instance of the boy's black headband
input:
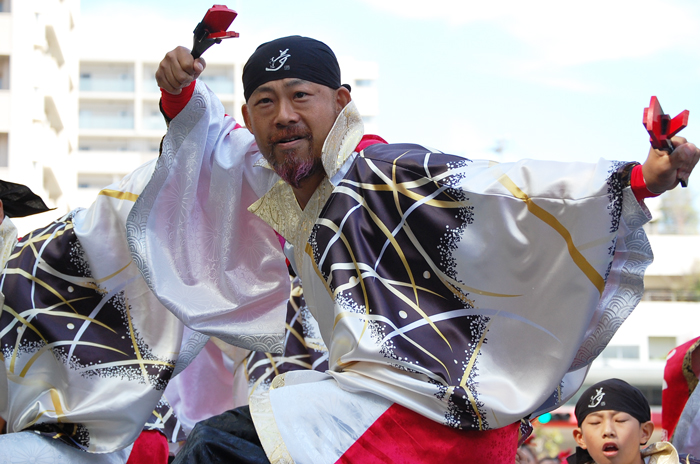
(291, 57)
(615, 395)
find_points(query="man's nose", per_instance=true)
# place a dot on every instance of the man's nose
(286, 113)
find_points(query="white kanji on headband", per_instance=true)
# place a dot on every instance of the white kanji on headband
(597, 398)
(277, 63)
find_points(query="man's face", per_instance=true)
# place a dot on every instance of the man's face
(613, 437)
(290, 119)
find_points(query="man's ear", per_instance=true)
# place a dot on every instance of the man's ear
(578, 436)
(342, 97)
(246, 118)
(647, 430)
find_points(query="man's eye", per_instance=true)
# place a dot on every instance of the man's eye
(264, 101)
(300, 94)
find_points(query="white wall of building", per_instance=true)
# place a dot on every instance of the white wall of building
(38, 97)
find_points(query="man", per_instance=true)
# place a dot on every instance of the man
(455, 296)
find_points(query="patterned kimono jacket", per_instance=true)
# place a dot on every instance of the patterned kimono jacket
(452, 294)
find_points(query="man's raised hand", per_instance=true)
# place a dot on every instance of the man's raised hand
(662, 171)
(178, 69)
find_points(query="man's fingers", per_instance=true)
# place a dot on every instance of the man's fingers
(677, 141)
(177, 70)
(199, 66)
(684, 159)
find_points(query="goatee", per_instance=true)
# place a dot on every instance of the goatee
(294, 171)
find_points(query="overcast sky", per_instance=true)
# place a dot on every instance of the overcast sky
(546, 79)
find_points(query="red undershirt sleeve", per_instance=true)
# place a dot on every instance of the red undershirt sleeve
(639, 186)
(173, 104)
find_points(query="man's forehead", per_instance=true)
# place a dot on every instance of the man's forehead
(283, 84)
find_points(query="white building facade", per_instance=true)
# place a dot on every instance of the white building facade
(39, 97)
(121, 125)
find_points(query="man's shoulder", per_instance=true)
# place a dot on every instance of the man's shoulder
(409, 154)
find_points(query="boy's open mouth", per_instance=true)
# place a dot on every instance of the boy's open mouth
(609, 449)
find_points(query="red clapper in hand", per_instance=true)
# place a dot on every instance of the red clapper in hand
(661, 127)
(212, 29)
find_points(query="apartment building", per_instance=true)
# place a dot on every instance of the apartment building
(120, 121)
(39, 97)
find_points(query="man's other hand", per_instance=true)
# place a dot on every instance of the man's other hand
(178, 69)
(662, 171)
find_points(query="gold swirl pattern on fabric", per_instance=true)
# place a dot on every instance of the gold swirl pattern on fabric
(345, 135)
(546, 217)
(266, 427)
(467, 371)
(32, 240)
(387, 233)
(46, 348)
(119, 195)
(371, 273)
(137, 352)
(310, 253)
(403, 188)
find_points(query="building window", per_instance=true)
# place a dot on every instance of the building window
(107, 144)
(106, 77)
(94, 181)
(364, 82)
(149, 78)
(4, 6)
(4, 72)
(219, 79)
(659, 347)
(620, 352)
(4, 151)
(106, 115)
(153, 118)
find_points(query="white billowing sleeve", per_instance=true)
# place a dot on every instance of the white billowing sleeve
(216, 266)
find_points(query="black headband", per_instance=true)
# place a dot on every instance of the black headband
(615, 395)
(291, 57)
(19, 201)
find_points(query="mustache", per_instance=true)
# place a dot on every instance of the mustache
(289, 133)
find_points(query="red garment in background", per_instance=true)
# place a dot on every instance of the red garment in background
(151, 447)
(680, 380)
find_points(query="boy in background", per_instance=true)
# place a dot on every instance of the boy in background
(614, 420)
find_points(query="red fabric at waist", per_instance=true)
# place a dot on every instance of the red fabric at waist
(401, 435)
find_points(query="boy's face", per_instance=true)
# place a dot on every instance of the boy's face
(613, 437)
